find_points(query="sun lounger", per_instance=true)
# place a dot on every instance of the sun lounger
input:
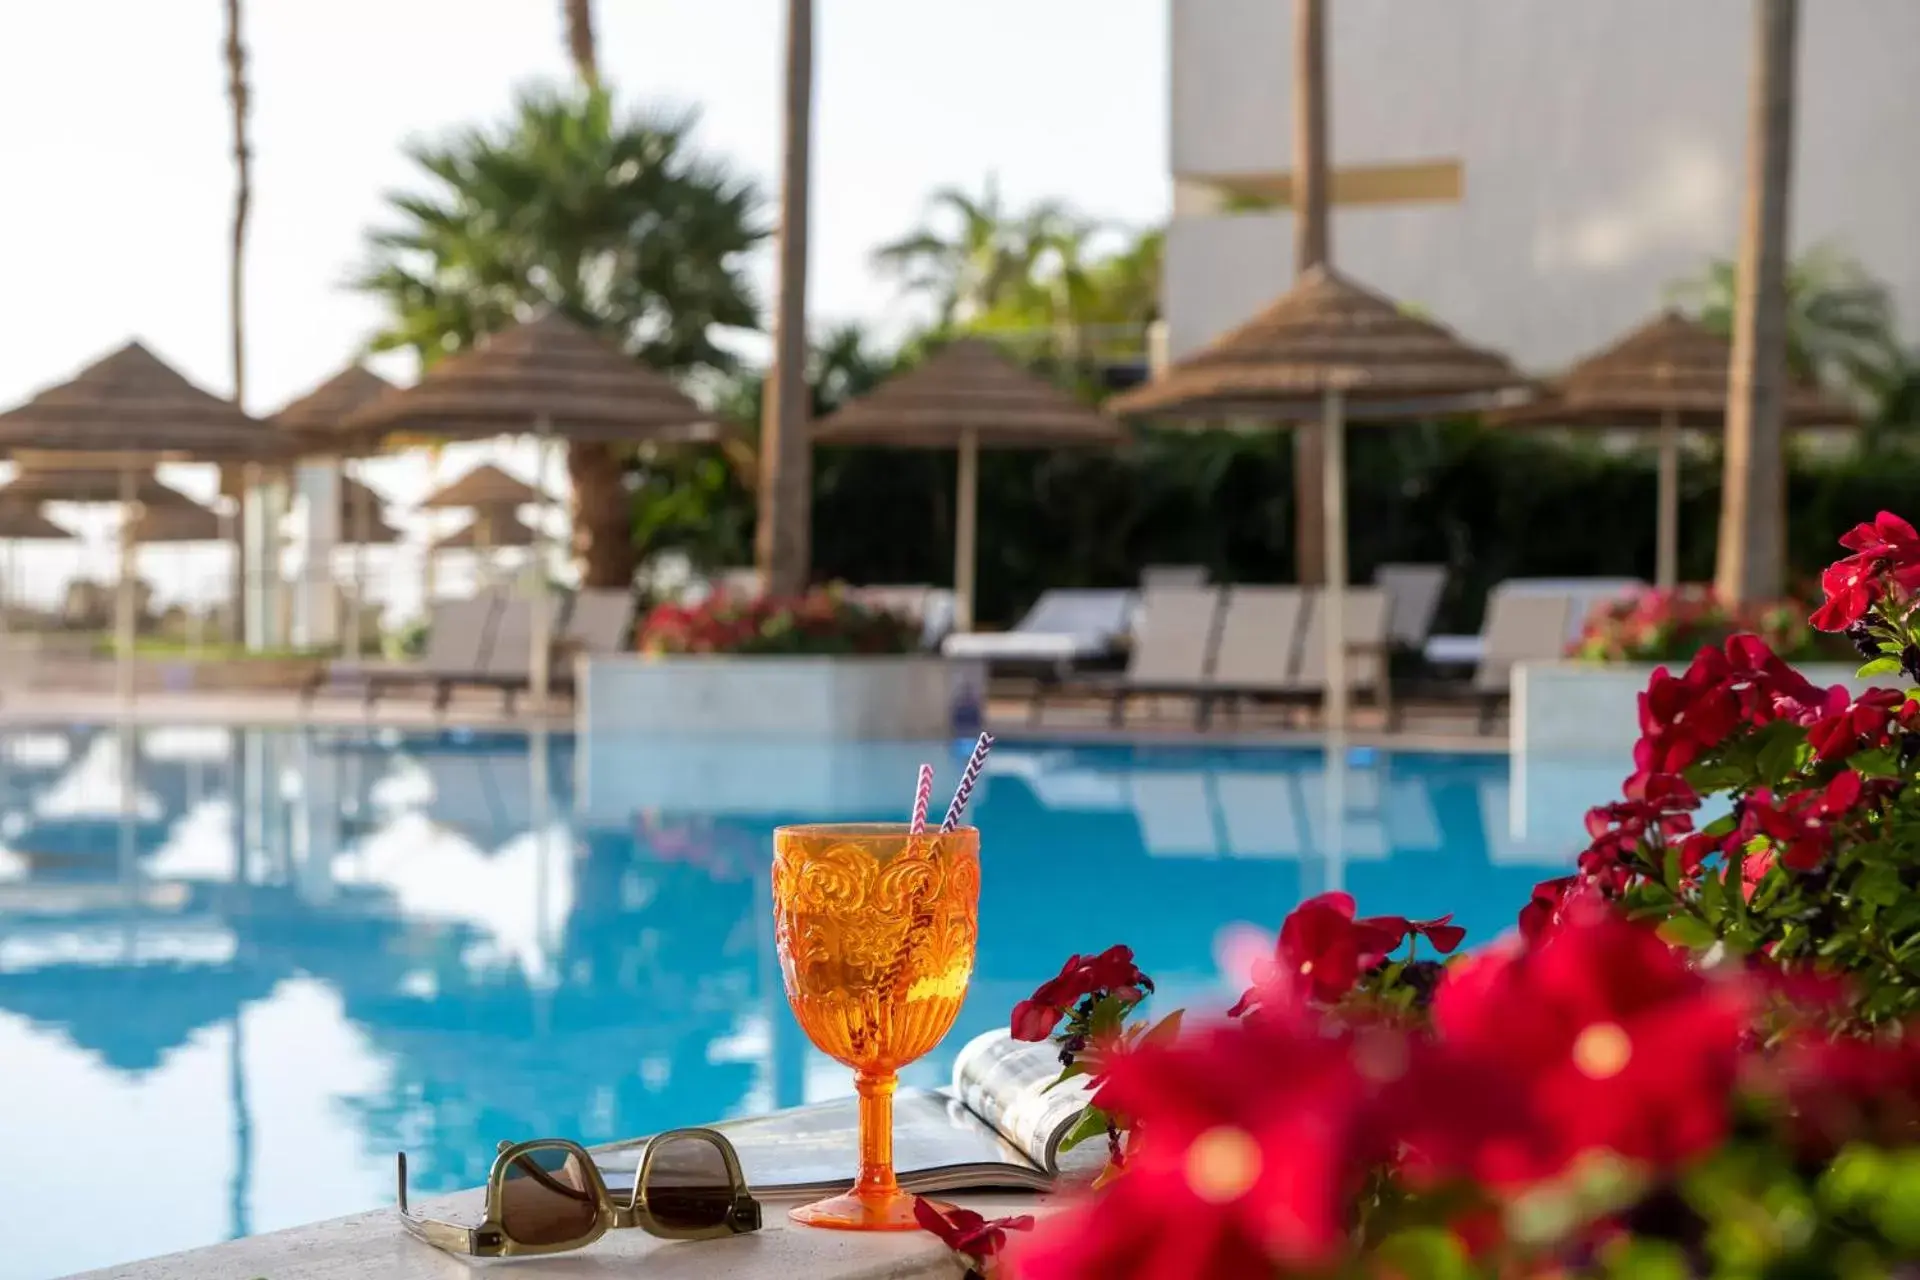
(459, 640)
(1173, 575)
(1173, 648)
(1582, 593)
(1064, 627)
(600, 621)
(1366, 637)
(1521, 627)
(508, 664)
(1259, 646)
(1413, 598)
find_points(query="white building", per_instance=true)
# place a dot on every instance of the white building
(1535, 173)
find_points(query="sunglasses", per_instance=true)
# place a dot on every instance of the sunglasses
(547, 1196)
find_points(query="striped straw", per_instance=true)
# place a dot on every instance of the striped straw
(922, 796)
(968, 777)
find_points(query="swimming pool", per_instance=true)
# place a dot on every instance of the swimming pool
(239, 969)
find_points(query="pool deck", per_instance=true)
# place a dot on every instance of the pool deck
(373, 1244)
(1427, 728)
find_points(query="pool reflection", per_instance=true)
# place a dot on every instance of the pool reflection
(263, 961)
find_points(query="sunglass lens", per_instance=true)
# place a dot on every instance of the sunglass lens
(688, 1186)
(547, 1198)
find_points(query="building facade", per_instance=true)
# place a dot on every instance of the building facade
(1536, 173)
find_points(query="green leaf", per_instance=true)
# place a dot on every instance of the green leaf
(1424, 1253)
(1877, 667)
(1720, 827)
(1882, 762)
(1164, 1031)
(1780, 752)
(1076, 1068)
(1091, 1124)
(1688, 931)
(1108, 1016)
(1879, 885)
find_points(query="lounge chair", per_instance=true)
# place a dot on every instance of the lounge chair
(459, 638)
(1521, 627)
(1413, 598)
(1173, 648)
(1173, 575)
(1583, 593)
(1064, 627)
(600, 621)
(1259, 646)
(508, 665)
(1365, 632)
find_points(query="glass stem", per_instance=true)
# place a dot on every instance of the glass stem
(876, 1135)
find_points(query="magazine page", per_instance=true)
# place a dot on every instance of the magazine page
(937, 1146)
(1004, 1082)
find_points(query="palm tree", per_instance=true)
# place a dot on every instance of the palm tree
(236, 292)
(972, 255)
(615, 220)
(1753, 515)
(1840, 328)
(1311, 248)
(581, 46)
(783, 534)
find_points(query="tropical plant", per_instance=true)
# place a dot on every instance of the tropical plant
(1840, 324)
(1667, 625)
(615, 219)
(973, 254)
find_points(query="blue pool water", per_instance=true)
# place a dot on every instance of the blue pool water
(239, 969)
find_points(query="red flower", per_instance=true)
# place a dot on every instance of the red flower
(1541, 915)
(1252, 1138)
(1322, 945)
(1112, 972)
(1846, 725)
(1799, 826)
(1851, 588)
(965, 1231)
(1847, 1089)
(1600, 1038)
(1440, 931)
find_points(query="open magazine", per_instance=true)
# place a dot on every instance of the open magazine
(998, 1127)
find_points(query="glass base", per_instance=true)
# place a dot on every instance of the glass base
(888, 1211)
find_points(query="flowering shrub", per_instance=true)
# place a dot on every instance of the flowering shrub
(1697, 1055)
(820, 622)
(1657, 625)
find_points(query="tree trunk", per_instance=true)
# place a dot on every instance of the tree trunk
(236, 300)
(580, 42)
(783, 534)
(602, 516)
(602, 513)
(1310, 249)
(1753, 512)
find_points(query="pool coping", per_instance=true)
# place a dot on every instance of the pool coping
(373, 1244)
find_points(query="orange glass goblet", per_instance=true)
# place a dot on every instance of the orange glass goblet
(876, 930)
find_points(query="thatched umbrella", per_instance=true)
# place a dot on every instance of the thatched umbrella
(550, 378)
(505, 529)
(313, 423)
(1667, 375)
(131, 411)
(967, 396)
(1332, 349)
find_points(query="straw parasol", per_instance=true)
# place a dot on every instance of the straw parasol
(37, 483)
(548, 377)
(189, 523)
(505, 529)
(1668, 374)
(362, 501)
(1333, 349)
(967, 396)
(130, 410)
(486, 486)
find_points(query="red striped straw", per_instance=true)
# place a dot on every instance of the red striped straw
(922, 796)
(969, 776)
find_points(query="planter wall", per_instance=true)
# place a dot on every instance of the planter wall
(1569, 709)
(841, 699)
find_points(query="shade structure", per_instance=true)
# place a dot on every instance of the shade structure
(1328, 348)
(188, 523)
(37, 484)
(132, 403)
(1667, 375)
(967, 396)
(313, 421)
(486, 486)
(548, 377)
(132, 409)
(489, 531)
(22, 522)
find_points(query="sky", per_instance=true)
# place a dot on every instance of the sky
(116, 132)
